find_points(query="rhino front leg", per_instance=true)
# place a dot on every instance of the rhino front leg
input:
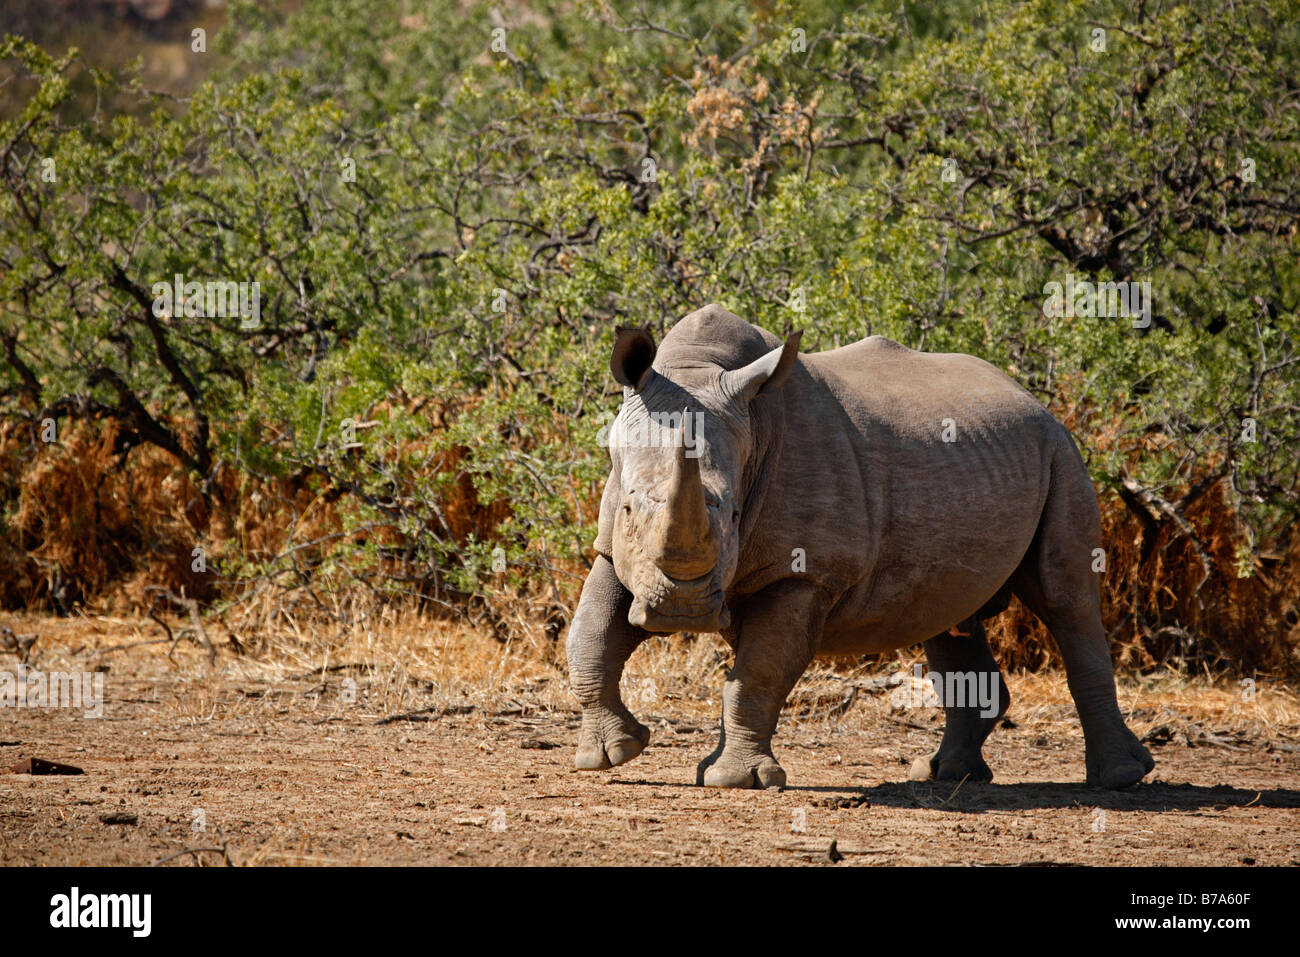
(777, 634)
(600, 642)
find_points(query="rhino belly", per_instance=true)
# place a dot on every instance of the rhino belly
(935, 566)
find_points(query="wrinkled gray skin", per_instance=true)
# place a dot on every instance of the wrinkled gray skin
(905, 535)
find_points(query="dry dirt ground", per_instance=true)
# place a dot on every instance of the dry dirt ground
(261, 762)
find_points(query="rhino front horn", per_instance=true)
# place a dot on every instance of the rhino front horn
(682, 541)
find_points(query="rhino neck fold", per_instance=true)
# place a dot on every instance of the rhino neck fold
(767, 428)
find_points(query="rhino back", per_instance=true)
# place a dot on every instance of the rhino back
(914, 483)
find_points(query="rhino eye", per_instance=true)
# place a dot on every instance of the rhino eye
(735, 516)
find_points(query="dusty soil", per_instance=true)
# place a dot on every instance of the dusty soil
(264, 766)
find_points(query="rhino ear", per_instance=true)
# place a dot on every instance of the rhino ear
(634, 351)
(765, 372)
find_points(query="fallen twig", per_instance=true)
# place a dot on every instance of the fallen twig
(196, 851)
(332, 669)
(426, 714)
(134, 644)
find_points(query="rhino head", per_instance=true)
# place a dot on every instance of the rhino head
(680, 448)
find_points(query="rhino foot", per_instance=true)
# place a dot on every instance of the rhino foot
(608, 738)
(938, 766)
(1120, 765)
(726, 771)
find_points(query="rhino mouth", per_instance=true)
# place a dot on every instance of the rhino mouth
(694, 605)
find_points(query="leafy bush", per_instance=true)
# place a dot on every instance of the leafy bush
(447, 212)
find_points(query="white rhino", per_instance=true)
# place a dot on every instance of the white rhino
(849, 502)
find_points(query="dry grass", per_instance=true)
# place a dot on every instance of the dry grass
(413, 664)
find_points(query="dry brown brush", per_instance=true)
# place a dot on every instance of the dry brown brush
(90, 523)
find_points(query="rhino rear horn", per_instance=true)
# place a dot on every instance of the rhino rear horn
(634, 351)
(767, 371)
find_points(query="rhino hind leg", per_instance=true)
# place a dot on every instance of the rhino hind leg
(1114, 757)
(1057, 582)
(967, 723)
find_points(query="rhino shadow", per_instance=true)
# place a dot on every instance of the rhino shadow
(1038, 795)
(1156, 796)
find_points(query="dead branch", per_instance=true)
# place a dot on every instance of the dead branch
(188, 604)
(1162, 509)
